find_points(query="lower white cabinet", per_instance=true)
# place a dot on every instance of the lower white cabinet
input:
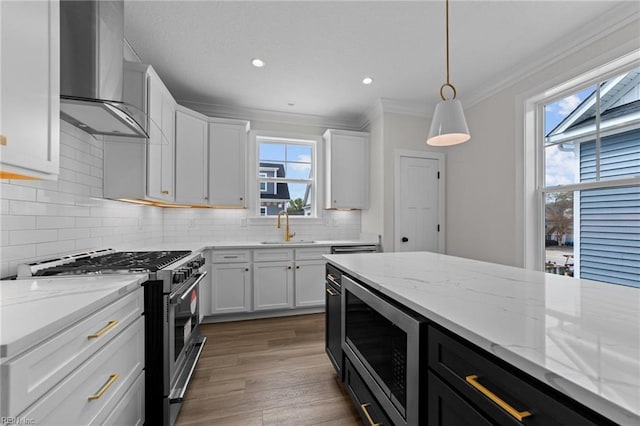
(230, 283)
(92, 392)
(130, 409)
(272, 285)
(310, 283)
(267, 279)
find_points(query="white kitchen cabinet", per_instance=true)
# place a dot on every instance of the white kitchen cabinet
(139, 168)
(30, 89)
(230, 282)
(227, 162)
(310, 276)
(272, 285)
(347, 169)
(52, 381)
(191, 157)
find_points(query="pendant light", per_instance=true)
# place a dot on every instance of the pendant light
(448, 126)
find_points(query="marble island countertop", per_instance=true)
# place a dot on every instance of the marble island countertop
(580, 337)
(31, 310)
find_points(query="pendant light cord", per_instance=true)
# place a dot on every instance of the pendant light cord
(448, 83)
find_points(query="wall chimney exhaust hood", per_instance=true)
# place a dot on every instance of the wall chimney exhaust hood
(91, 69)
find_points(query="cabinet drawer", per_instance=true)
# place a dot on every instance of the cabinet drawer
(130, 410)
(32, 374)
(446, 407)
(230, 256)
(311, 253)
(366, 404)
(91, 392)
(458, 364)
(272, 255)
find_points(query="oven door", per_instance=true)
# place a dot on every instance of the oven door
(184, 318)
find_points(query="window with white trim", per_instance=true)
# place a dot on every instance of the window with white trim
(589, 178)
(286, 176)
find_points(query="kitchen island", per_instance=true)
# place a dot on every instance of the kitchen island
(579, 338)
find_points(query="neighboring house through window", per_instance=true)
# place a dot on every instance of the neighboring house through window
(589, 179)
(286, 179)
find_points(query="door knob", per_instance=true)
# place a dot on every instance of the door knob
(404, 239)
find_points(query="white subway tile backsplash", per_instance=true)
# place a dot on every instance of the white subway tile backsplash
(16, 192)
(15, 253)
(9, 222)
(54, 222)
(73, 233)
(55, 248)
(74, 210)
(32, 208)
(48, 196)
(88, 222)
(32, 236)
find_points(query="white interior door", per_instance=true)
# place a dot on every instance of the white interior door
(419, 195)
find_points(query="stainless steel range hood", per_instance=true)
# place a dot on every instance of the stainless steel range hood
(91, 69)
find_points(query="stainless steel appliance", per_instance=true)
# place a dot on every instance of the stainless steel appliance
(173, 342)
(383, 342)
(368, 248)
(91, 69)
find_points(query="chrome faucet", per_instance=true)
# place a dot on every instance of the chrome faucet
(287, 235)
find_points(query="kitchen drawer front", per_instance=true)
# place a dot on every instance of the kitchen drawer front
(446, 407)
(366, 404)
(31, 375)
(68, 403)
(311, 253)
(130, 410)
(455, 361)
(272, 255)
(231, 256)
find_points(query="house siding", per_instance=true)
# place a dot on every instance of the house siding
(610, 217)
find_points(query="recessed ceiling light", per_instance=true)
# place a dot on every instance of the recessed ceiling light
(367, 80)
(258, 63)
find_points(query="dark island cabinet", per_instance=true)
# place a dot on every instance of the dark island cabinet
(333, 318)
(493, 388)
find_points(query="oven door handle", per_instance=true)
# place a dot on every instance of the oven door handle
(174, 298)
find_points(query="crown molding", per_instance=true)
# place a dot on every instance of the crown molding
(246, 113)
(616, 18)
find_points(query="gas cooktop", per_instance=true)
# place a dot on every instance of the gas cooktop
(105, 262)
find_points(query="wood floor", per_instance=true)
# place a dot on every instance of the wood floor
(266, 372)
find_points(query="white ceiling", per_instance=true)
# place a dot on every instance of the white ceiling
(317, 52)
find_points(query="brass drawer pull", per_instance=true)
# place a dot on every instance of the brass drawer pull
(166, 192)
(366, 413)
(473, 381)
(104, 388)
(333, 279)
(331, 292)
(108, 327)
(3, 140)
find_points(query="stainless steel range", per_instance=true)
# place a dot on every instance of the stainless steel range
(172, 318)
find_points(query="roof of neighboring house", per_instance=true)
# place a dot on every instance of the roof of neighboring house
(619, 97)
(282, 189)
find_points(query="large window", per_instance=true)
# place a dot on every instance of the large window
(589, 167)
(286, 176)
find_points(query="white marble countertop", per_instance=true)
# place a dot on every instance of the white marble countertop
(197, 246)
(31, 310)
(581, 337)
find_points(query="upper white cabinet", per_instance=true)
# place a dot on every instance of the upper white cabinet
(347, 169)
(139, 168)
(30, 89)
(227, 162)
(191, 157)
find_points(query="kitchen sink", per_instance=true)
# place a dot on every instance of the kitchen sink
(288, 242)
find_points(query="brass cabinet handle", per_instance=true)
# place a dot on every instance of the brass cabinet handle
(288, 267)
(331, 292)
(104, 388)
(108, 327)
(241, 198)
(206, 198)
(166, 192)
(366, 413)
(333, 279)
(473, 381)
(3, 140)
(297, 266)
